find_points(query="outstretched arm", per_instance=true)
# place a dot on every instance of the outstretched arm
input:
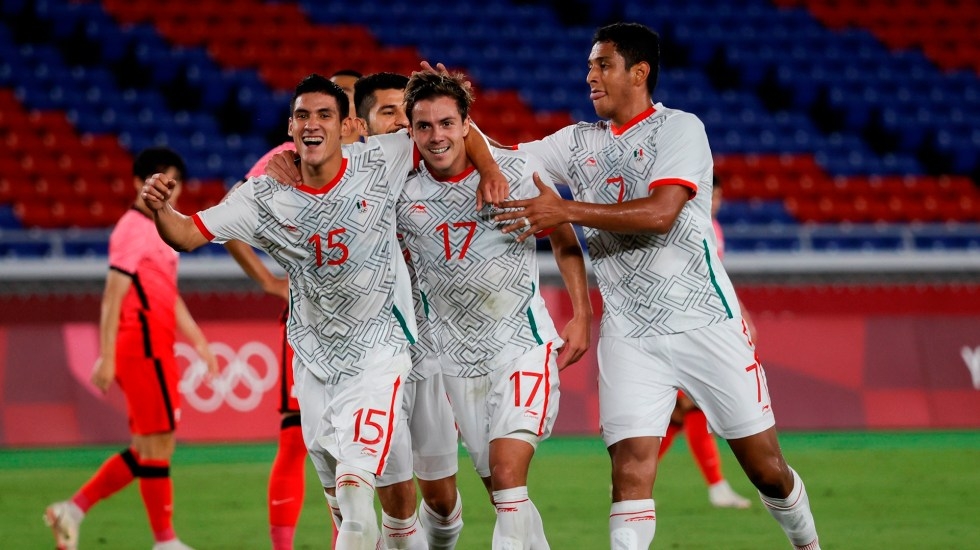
(655, 213)
(176, 229)
(577, 334)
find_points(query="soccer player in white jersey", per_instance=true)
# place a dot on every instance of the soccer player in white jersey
(671, 320)
(350, 321)
(434, 456)
(500, 349)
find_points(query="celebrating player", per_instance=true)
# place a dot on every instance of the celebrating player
(671, 319)
(349, 325)
(500, 350)
(140, 312)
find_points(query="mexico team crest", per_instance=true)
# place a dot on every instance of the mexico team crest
(361, 205)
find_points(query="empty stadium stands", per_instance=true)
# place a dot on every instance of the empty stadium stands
(836, 125)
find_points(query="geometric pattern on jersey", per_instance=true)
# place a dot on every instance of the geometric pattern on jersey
(350, 295)
(483, 289)
(425, 356)
(650, 284)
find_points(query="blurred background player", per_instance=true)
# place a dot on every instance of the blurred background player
(499, 347)
(687, 417)
(141, 312)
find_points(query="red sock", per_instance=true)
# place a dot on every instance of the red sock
(668, 439)
(287, 482)
(158, 497)
(114, 474)
(703, 446)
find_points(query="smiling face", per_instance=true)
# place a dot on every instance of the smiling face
(438, 131)
(387, 114)
(316, 128)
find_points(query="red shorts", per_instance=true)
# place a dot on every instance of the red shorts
(150, 387)
(287, 399)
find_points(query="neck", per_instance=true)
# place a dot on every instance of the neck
(631, 111)
(318, 176)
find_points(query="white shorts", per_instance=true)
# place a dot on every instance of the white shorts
(434, 448)
(357, 421)
(518, 401)
(716, 366)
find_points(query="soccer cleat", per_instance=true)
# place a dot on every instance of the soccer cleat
(64, 524)
(172, 544)
(722, 495)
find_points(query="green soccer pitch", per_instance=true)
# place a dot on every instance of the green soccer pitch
(901, 490)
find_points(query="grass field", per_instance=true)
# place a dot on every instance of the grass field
(868, 490)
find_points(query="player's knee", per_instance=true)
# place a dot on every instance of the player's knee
(439, 496)
(771, 476)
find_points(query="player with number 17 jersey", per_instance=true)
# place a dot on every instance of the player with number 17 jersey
(350, 295)
(482, 285)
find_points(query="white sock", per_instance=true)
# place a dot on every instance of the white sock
(632, 524)
(442, 532)
(794, 516)
(518, 525)
(334, 509)
(403, 534)
(355, 495)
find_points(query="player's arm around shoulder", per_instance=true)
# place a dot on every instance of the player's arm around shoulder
(577, 333)
(176, 229)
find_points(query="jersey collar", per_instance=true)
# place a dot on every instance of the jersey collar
(330, 184)
(620, 130)
(454, 179)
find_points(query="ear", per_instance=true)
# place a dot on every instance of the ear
(289, 127)
(640, 72)
(466, 126)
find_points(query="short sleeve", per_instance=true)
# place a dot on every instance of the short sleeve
(683, 154)
(552, 154)
(128, 244)
(398, 149)
(234, 218)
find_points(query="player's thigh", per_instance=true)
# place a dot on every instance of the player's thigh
(468, 397)
(365, 416)
(313, 396)
(637, 387)
(524, 397)
(435, 447)
(399, 466)
(150, 387)
(719, 370)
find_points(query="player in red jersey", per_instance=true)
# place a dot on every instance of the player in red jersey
(141, 312)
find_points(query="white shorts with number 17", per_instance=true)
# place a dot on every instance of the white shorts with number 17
(716, 366)
(518, 401)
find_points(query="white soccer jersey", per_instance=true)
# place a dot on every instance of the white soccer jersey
(425, 354)
(650, 284)
(481, 284)
(350, 298)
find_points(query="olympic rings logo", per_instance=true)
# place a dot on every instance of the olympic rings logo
(243, 378)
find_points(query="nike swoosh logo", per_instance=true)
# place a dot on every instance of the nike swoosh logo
(275, 502)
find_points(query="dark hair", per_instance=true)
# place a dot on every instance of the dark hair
(347, 72)
(365, 87)
(153, 160)
(316, 83)
(425, 85)
(636, 43)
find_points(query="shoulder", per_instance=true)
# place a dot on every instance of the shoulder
(680, 121)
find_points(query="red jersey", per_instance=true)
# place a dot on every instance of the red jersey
(147, 322)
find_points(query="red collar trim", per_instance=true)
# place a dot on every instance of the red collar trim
(454, 179)
(330, 184)
(619, 130)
